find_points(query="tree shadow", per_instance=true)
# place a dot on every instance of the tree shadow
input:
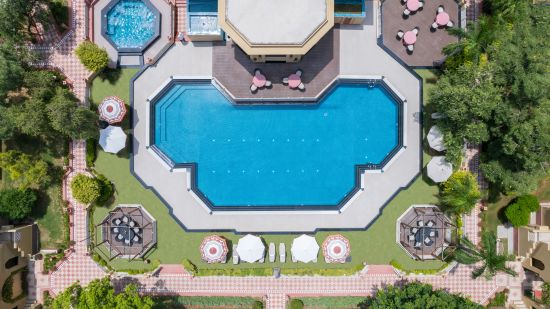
(41, 208)
(110, 75)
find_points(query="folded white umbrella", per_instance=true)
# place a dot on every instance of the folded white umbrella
(435, 139)
(250, 248)
(439, 169)
(112, 139)
(304, 248)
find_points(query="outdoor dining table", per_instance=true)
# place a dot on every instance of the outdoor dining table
(442, 18)
(259, 80)
(294, 80)
(410, 37)
(413, 5)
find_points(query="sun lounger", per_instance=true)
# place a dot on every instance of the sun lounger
(235, 255)
(282, 253)
(271, 252)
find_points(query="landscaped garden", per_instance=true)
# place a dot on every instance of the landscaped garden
(373, 246)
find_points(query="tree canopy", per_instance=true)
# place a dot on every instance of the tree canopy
(497, 94)
(16, 204)
(100, 294)
(519, 211)
(416, 295)
(25, 171)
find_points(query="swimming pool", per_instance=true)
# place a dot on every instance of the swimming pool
(276, 155)
(131, 24)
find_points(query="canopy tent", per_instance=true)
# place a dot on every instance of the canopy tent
(214, 249)
(336, 249)
(112, 139)
(435, 139)
(112, 109)
(304, 249)
(250, 248)
(439, 169)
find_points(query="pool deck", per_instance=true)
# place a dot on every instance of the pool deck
(359, 56)
(151, 52)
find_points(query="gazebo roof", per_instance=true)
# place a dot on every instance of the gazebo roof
(336, 249)
(214, 249)
(425, 232)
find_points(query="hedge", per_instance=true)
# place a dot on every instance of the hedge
(7, 288)
(519, 211)
(296, 304)
(332, 302)
(93, 57)
(85, 189)
(91, 152)
(400, 267)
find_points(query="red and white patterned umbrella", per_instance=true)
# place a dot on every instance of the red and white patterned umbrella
(112, 109)
(214, 249)
(336, 249)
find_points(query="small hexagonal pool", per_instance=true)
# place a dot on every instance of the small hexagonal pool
(296, 156)
(131, 25)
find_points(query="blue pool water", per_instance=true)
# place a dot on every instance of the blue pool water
(281, 155)
(131, 24)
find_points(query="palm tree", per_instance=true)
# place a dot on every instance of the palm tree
(472, 41)
(492, 262)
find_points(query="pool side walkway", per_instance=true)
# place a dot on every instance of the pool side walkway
(359, 56)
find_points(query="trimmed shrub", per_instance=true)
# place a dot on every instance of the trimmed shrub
(258, 305)
(519, 211)
(85, 189)
(107, 190)
(93, 57)
(91, 152)
(546, 293)
(16, 204)
(295, 303)
(190, 267)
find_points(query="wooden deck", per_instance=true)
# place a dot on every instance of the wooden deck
(427, 50)
(234, 70)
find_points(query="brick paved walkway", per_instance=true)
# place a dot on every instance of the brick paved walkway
(172, 280)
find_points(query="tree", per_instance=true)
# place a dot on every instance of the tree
(85, 189)
(7, 127)
(546, 293)
(467, 253)
(11, 67)
(93, 57)
(30, 118)
(67, 118)
(296, 303)
(472, 44)
(416, 295)
(16, 204)
(460, 192)
(467, 99)
(24, 171)
(16, 18)
(100, 294)
(519, 211)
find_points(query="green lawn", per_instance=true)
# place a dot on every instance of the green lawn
(376, 245)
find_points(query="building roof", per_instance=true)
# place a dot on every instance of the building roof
(283, 27)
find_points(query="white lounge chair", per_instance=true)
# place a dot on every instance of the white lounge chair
(282, 253)
(285, 80)
(268, 83)
(301, 86)
(299, 73)
(410, 48)
(271, 252)
(400, 34)
(420, 4)
(235, 255)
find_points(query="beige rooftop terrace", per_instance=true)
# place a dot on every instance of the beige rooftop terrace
(282, 30)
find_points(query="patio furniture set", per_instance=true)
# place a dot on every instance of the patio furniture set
(259, 81)
(126, 230)
(423, 233)
(251, 249)
(442, 19)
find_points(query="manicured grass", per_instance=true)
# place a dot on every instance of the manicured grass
(332, 302)
(205, 302)
(48, 214)
(376, 245)
(112, 82)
